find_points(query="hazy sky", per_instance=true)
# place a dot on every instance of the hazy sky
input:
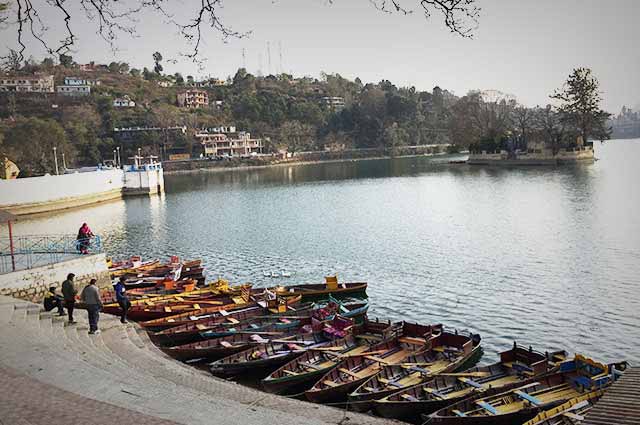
(523, 47)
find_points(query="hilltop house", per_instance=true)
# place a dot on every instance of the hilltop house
(334, 102)
(27, 83)
(193, 98)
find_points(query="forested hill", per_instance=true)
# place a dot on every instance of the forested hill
(292, 113)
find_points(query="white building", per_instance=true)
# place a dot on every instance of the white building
(27, 83)
(123, 102)
(333, 102)
(74, 86)
(231, 144)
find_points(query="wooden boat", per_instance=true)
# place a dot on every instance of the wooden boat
(521, 404)
(304, 370)
(213, 349)
(330, 287)
(190, 332)
(569, 413)
(204, 314)
(265, 356)
(516, 366)
(444, 352)
(351, 372)
(256, 318)
(151, 309)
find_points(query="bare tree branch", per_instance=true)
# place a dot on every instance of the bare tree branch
(114, 19)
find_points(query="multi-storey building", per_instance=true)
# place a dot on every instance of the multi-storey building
(334, 102)
(231, 144)
(27, 83)
(193, 98)
(74, 86)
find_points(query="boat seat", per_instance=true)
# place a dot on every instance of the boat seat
(370, 389)
(288, 372)
(458, 413)
(311, 366)
(330, 383)
(531, 399)
(433, 392)
(412, 340)
(409, 397)
(420, 369)
(582, 381)
(470, 382)
(254, 326)
(348, 372)
(486, 406)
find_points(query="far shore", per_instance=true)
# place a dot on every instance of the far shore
(294, 163)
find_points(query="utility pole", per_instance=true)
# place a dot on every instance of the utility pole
(268, 57)
(55, 158)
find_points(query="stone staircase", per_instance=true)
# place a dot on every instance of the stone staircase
(57, 373)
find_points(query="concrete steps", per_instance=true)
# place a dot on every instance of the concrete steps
(122, 367)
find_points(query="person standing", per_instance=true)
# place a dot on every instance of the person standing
(91, 297)
(53, 300)
(121, 297)
(69, 293)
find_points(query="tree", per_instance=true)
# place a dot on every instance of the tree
(11, 62)
(580, 107)
(66, 60)
(551, 126)
(30, 144)
(522, 118)
(296, 136)
(157, 58)
(134, 72)
(113, 18)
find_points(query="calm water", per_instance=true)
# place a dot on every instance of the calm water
(545, 256)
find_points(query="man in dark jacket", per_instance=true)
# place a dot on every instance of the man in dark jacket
(69, 293)
(121, 297)
(53, 300)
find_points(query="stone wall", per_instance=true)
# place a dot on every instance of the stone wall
(33, 283)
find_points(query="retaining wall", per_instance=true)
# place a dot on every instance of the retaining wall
(31, 284)
(37, 195)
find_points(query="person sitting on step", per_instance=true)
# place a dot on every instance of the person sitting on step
(53, 300)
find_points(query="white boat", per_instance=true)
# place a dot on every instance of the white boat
(266, 273)
(285, 274)
(275, 274)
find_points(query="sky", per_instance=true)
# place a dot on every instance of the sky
(522, 47)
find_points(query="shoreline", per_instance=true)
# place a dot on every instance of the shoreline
(292, 163)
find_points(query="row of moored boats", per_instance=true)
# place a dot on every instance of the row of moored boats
(317, 341)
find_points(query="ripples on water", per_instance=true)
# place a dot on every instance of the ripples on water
(545, 256)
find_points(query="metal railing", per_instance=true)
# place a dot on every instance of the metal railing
(27, 252)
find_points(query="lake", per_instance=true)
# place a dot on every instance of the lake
(549, 257)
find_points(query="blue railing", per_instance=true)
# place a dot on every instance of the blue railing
(40, 250)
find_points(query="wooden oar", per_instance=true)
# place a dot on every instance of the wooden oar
(466, 374)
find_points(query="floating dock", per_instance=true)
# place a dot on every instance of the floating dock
(620, 404)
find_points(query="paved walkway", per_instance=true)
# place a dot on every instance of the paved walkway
(620, 404)
(57, 371)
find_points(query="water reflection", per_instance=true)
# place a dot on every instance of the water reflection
(547, 256)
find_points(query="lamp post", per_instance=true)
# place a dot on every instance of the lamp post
(55, 158)
(64, 163)
(118, 150)
(115, 158)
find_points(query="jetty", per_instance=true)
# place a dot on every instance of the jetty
(620, 405)
(55, 371)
